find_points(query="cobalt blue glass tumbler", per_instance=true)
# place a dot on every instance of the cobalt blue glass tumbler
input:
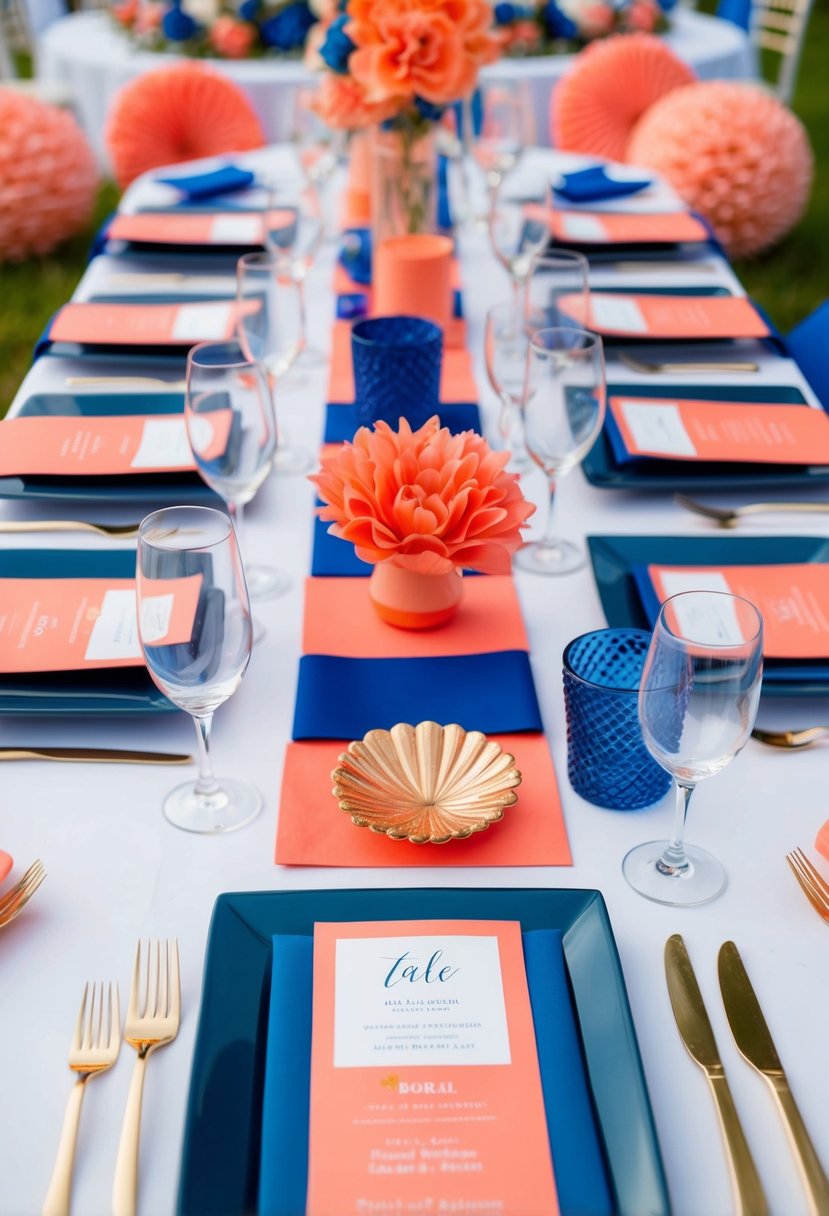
(396, 370)
(607, 761)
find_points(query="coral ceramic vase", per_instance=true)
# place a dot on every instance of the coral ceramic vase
(414, 601)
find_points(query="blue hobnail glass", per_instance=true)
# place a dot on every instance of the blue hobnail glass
(396, 370)
(607, 761)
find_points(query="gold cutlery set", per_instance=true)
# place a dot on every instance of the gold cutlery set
(753, 1039)
(152, 1021)
(813, 885)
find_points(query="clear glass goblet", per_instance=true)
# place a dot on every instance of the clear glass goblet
(564, 409)
(320, 151)
(698, 699)
(506, 129)
(294, 232)
(553, 277)
(270, 329)
(519, 225)
(232, 431)
(195, 630)
(506, 343)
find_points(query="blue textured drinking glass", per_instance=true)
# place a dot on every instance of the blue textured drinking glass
(397, 364)
(607, 761)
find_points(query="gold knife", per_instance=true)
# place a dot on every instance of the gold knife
(753, 1038)
(697, 1035)
(92, 755)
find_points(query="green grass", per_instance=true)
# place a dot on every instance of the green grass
(788, 282)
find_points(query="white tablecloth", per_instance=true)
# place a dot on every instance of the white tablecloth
(118, 871)
(88, 53)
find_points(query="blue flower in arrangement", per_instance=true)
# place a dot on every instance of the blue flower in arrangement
(504, 13)
(427, 110)
(288, 28)
(337, 47)
(178, 26)
(558, 24)
(248, 9)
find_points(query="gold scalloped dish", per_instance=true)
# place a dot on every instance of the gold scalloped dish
(425, 783)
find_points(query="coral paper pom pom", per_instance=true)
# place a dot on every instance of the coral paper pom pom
(48, 176)
(609, 87)
(177, 114)
(733, 153)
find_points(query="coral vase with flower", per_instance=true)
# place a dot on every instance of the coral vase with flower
(420, 506)
(396, 65)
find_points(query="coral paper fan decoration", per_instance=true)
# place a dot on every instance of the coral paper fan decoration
(48, 176)
(425, 500)
(612, 83)
(177, 114)
(733, 153)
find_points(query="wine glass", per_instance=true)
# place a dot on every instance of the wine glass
(232, 431)
(553, 278)
(506, 343)
(563, 408)
(293, 234)
(195, 631)
(271, 335)
(320, 151)
(698, 699)
(506, 128)
(519, 225)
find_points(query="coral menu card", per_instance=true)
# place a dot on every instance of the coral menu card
(592, 228)
(686, 318)
(72, 624)
(149, 324)
(792, 599)
(425, 1088)
(721, 431)
(61, 446)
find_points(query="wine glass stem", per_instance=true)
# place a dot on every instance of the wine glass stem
(236, 511)
(674, 861)
(550, 540)
(207, 786)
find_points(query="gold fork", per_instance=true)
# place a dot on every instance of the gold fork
(651, 367)
(13, 902)
(67, 525)
(152, 1021)
(729, 517)
(93, 1050)
(793, 739)
(814, 887)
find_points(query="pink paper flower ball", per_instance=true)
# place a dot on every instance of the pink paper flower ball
(733, 153)
(48, 176)
(177, 114)
(611, 84)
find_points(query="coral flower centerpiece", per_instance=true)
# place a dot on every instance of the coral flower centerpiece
(420, 506)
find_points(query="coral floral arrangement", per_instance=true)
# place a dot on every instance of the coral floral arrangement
(425, 500)
(219, 28)
(244, 29)
(399, 62)
(565, 25)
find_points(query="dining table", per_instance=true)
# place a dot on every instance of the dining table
(92, 58)
(118, 872)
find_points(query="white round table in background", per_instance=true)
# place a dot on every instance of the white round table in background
(93, 58)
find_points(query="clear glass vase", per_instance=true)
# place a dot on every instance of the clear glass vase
(404, 188)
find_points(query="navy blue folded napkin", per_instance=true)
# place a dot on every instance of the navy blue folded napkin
(594, 185)
(198, 186)
(355, 254)
(343, 698)
(578, 1161)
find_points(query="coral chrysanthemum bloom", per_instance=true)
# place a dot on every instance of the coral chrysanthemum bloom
(426, 500)
(425, 48)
